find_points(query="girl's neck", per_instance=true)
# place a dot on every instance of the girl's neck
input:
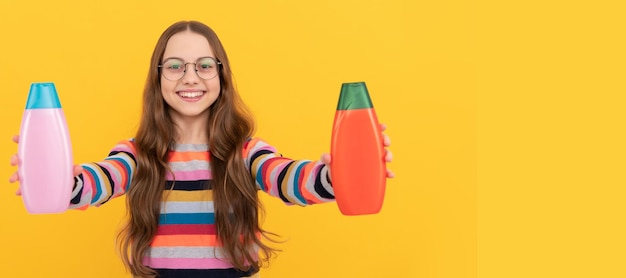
(191, 131)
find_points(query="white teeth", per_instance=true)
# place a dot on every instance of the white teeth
(190, 94)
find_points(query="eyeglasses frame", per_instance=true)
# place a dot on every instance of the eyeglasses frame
(219, 66)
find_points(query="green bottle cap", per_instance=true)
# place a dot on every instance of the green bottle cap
(354, 96)
(42, 95)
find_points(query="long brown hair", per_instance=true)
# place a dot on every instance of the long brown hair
(235, 198)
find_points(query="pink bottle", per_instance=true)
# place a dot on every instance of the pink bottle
(45, 155)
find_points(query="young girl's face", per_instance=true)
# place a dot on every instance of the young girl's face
(190, 96)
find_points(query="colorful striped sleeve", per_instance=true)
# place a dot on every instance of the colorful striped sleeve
(300, 182)
(101, 181)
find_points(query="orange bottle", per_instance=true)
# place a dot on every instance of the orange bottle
(357, 167)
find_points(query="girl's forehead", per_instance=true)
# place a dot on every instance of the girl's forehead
(188, 46)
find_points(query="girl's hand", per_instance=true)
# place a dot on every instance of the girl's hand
(15, 161)
(388, 155)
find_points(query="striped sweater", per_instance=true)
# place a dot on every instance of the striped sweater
(185, 242)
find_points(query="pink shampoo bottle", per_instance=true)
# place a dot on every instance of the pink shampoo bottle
(45, 155)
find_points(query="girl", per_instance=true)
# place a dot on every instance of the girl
(192, 171)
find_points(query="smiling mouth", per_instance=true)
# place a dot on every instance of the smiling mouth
(191, 94)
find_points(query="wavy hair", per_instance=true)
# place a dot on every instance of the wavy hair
(237, 207)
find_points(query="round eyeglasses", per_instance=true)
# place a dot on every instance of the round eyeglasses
(174, 69)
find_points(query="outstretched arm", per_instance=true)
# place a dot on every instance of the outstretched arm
(101, 181)
(301, 182)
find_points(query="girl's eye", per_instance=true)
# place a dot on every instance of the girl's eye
(175, 66)
(205, 64)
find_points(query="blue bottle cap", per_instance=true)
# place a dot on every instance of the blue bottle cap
(42, 95)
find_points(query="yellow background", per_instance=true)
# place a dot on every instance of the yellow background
(551, 138)
(506, 120)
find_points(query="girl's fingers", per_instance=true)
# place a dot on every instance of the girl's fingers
(388, 156)
(390, 174)
(14, 160)
(14, 178)
(77, 170)
(386, 140)
(325, 158)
